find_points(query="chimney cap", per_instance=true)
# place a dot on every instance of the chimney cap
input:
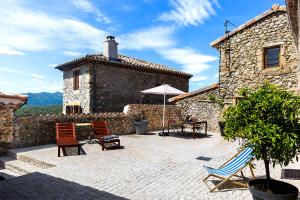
(110, 37)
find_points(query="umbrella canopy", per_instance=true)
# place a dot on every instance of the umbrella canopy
(164, 90)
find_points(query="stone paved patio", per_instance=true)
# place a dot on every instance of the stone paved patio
(148, 167)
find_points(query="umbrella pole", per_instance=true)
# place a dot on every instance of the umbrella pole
(164, 110)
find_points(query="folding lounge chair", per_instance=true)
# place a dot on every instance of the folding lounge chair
(231, 167)
(101, 132)
(66, 136)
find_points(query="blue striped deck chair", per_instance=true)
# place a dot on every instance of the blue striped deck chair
(231, 167)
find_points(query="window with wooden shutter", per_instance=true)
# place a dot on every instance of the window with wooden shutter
(76, 80)
(271, 56)
(73, 110)
(68, 110)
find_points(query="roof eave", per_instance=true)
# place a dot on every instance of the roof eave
(275, 8)
(199, 91)
(75, 63)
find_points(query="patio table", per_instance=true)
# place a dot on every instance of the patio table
(85, 124)
(195, 125)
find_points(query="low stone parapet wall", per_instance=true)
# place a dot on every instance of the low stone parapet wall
(40, 129)
(32, 130)
(154, 114)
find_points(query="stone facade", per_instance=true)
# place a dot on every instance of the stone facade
(6, 125)
(103, 88)
(116, 87)
(244, 66)
(293, 9)
(32, 130)
(200, 107)
(82, 96)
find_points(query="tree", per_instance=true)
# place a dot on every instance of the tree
(267, 119)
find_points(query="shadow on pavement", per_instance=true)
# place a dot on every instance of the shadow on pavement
(41, 186)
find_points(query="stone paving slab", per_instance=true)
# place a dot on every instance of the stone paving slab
(148, 167)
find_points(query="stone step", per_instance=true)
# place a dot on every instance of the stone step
(16, 166)
(29, 160)
(7, 174)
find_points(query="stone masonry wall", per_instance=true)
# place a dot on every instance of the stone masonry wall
(246, 67)
(32, 130)
(40, 129)
(6, 125)
(201, 108)
(154, 114)
(116, 87)
(83, 94)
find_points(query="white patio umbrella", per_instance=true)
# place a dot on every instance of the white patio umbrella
(164, 90)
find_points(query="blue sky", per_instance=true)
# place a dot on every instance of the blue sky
(37, 35)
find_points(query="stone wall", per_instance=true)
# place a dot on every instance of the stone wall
(32, 130)
(246, 68)
(6, 125)
(116, 87)
(201, 108)
(81, 96)
(154, 114)
(40, 129)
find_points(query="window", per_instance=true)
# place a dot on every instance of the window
(271, 56)
(76, 80)
(72, 110)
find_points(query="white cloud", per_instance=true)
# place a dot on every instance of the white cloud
(87, 6)
(198, 78)
(72, 53)
(189, 12)
(25, 29)
(190, 60)
(148, 38)
(7, 51)
(34, 75)
(50, 85)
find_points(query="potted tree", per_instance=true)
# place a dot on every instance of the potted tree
(267, 119)
(140, 123)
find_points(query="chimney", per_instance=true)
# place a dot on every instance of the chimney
(110, 48)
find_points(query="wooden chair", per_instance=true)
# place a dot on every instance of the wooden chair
(66, 136)
(101, 133)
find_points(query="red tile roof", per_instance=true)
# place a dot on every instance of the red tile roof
(124, 62)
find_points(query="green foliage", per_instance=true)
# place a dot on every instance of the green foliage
(216, 100)
(33, 110)
(268, 119)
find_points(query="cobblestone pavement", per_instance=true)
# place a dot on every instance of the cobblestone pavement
(148, 167)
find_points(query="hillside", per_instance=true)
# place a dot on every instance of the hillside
(44, 99)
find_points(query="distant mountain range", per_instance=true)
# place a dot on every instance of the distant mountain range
(44, 99)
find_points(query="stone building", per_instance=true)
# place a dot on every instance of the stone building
(293, 10)
(8, 105)
(109, 81)
(262, 49)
